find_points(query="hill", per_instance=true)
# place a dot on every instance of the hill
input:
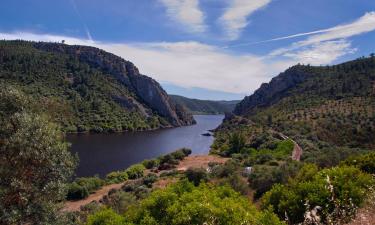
(197, 106)
(87, 89)
(321, 107)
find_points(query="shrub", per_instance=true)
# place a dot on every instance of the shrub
(337, 191)
(91, 183)
(364, 162)
(107, 217)
(150, 179)
(178, 155)
(186, 151)
(183, 203)
(150, 163)
(196, 175)
(117, 177)
(135, 171)
(76, 192)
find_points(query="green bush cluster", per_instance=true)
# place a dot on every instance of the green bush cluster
(83, 186)
(184, 203)
(337, 191)
(133, 172)
(364, 162)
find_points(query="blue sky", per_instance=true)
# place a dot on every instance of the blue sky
(207, 49)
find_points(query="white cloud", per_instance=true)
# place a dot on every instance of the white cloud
(322, 52)
(325, 46)
(235, 16)
(187, 13)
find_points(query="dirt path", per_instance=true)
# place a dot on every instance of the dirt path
(199, 161)
(71, 206)
(195, 161)
(297, 150)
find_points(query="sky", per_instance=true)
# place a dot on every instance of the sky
(205, 49)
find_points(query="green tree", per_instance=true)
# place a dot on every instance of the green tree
(183, 203)
(35, 163)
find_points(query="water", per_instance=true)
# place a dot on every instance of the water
(103, 153)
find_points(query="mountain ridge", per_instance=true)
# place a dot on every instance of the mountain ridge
(94, 77)
(199, 106)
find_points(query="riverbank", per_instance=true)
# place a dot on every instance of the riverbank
(194, 161)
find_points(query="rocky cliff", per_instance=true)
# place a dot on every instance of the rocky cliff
(276, 89)
(87, 89)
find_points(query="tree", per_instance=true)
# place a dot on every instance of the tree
(183, 203)
(35, 163)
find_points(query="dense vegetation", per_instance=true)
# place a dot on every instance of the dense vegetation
(35, 163)
(197, 106)
(86, 89)
(325, 110)
(81, 187)
(181, 204)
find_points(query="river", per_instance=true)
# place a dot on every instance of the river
(102, 153)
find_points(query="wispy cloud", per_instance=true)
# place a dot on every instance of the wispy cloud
(328, 44)
(187, 13)
(364, 24)
(234, 19)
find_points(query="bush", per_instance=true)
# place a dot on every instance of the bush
(183, 203)
(186, 151)
(178, 155)
(365, 162)
(150, 163)
(135, 171)
(117, 177)
(107, 217)
(150, 179)
(91, 183)
(76, 192)
(196, 175)
(339, 191)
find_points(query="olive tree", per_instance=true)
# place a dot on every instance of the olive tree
(34, 162)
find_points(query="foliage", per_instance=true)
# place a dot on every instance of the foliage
(107, 217)
(197, 106)
(196, 175)
(150, 179)
(35, 163)
(177, 203)
(135, 171)
(263, 177)
(337, 192)
(80, 88)
(170, 160)
(116, 177)
(364, 162)
(83, 186)
(76, 192)
(325, 109)
(150, 163)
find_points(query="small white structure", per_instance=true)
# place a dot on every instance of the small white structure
(247, 170)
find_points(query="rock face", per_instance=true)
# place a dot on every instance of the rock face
(271, 92)
(145, 88)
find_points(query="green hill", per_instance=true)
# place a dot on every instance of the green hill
(87, 89)
(197, 106)
(321, 107)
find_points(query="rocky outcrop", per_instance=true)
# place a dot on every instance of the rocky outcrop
(272, 92)
(147, 91)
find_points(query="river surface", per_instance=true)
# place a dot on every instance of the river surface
(102, 153)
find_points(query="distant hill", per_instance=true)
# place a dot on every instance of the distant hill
(87, 89)
(197, 106)
(321, 107)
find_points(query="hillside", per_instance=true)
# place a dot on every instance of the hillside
(197, 106)
(322, 108)
(87, 89)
